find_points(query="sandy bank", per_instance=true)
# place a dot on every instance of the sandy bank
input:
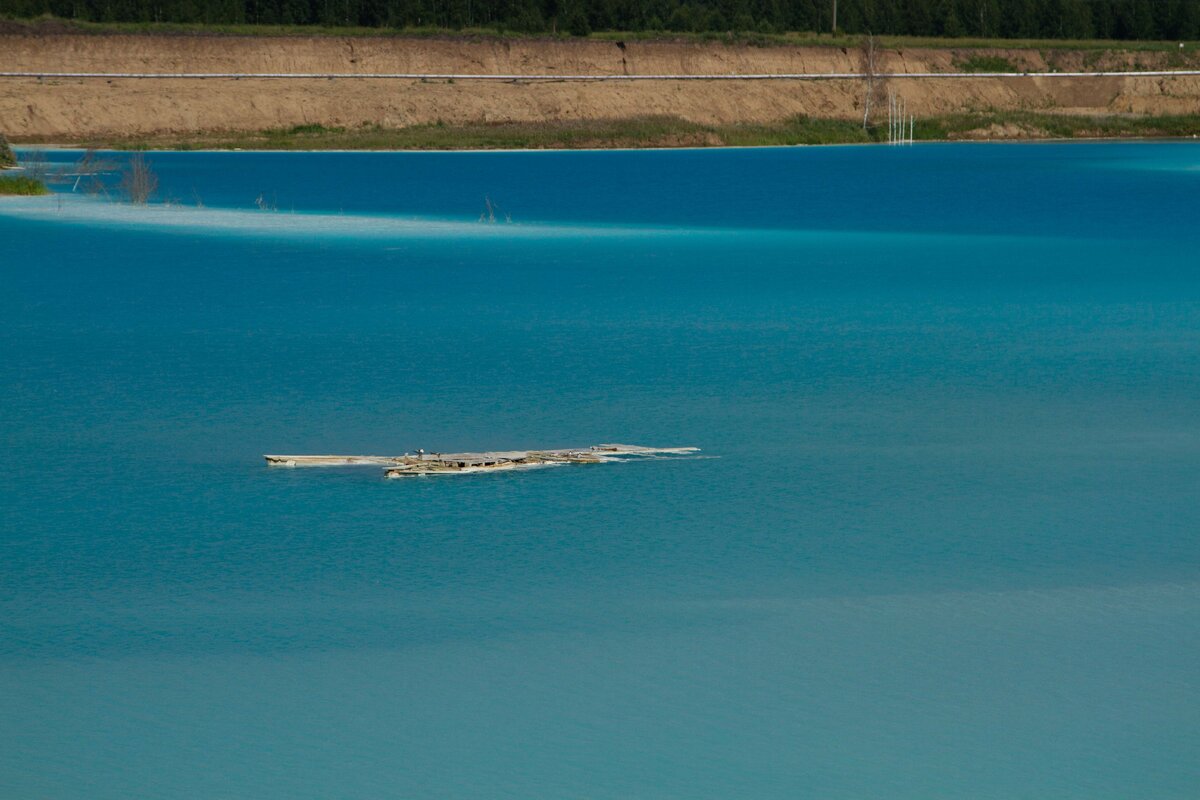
(74, 109)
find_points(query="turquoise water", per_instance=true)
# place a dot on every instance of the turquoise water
(942, 542)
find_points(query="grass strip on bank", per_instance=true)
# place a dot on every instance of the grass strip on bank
(668, 132)
(20, 185)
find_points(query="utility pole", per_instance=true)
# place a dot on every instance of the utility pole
(834, 29)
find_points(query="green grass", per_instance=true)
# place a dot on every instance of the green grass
(311, 130)
(797, 130)
(669, 132)
(972, 43)
(848, 41)
(636, 132)
(19, 185)
(790, 39)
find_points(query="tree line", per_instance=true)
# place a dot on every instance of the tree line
(1041, 19)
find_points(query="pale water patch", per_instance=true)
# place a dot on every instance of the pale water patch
(1177, 156)
(99, 212)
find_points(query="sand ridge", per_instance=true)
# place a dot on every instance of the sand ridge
(74, 108)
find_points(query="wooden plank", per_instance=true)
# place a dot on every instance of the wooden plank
(491, 459)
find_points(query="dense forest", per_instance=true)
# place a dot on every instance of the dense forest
(1048, 19)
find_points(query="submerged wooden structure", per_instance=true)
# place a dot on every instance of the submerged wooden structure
(422, 464)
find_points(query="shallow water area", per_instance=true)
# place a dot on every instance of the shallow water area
(940, 541)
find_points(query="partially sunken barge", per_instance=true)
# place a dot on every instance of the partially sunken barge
(422, 464)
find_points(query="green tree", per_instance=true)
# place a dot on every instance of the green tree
(577, 21)
(949, 23)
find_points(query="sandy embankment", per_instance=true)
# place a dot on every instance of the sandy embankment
(95, 107)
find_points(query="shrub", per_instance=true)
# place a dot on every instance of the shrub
(139, 181)
(21, 185)
(7, 157)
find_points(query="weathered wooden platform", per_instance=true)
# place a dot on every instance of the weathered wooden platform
(424, 463)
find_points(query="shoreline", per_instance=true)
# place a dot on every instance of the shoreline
(652, 133)
(61, 147)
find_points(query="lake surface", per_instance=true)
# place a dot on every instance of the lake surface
(941, 541)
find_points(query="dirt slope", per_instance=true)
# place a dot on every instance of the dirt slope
(81, 108)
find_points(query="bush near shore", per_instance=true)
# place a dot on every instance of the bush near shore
(674, 132)
(7, 157)
(21, 185)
